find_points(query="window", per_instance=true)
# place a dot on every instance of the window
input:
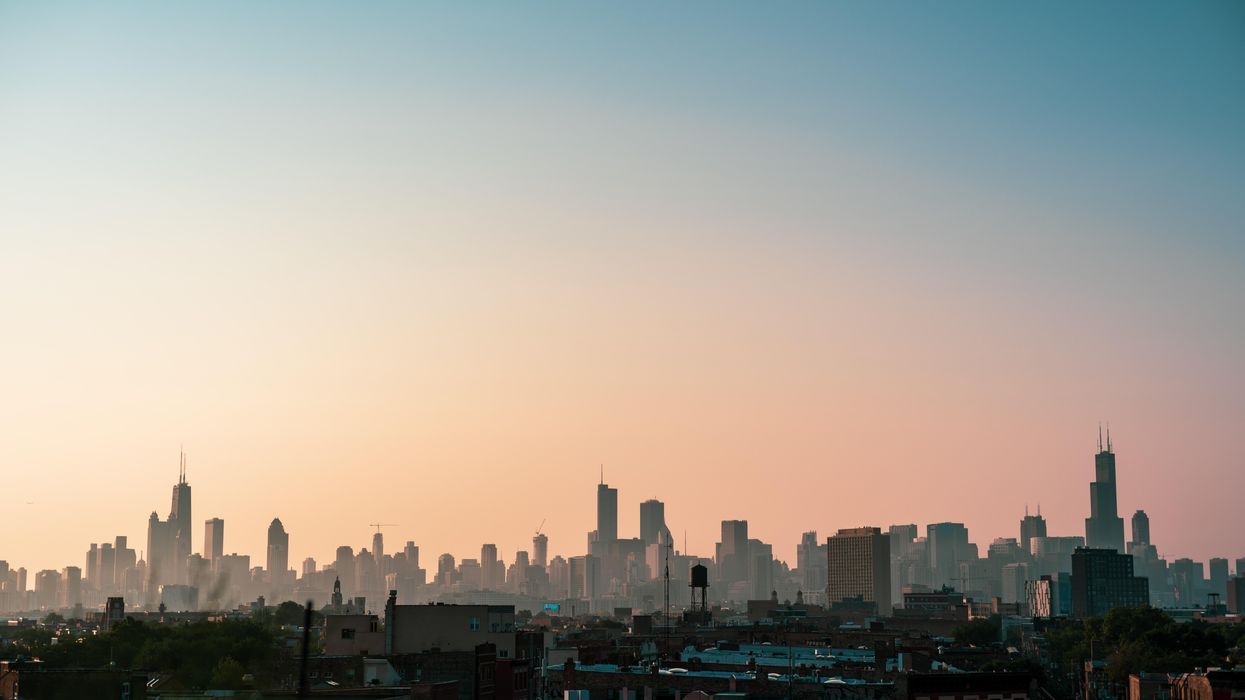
(474, 624)
(348, 633)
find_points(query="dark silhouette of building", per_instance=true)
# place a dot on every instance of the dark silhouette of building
(1102, 579)
(652, 521)
(607, 513)
(278, 551)
(1032, 526)
(1104, 528)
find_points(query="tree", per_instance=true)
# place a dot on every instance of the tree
(979, 632)
(227, 675)
(291, 613)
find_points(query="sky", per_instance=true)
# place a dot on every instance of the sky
(813, 265)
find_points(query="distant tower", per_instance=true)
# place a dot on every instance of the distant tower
(488, 568)
(344, 562)
(540, 550)
(213, 539)
(182, 523)
(1104, 528)
(337, 594)
(607, 513)
(1141, 528)
(1032, 526)
(652, 520)
(278, 551)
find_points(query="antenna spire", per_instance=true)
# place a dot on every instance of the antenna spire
(1108, 437)
(602, 474)
(1100, 437)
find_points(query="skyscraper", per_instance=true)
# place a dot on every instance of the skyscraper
(213, 539)
(652, 520)
(858, 565)
(947, 545)
(607, 513)
(540, 550)
(1104, 528)
(278, 551)
(343, 562)
(732, 552)
(488, 568)
(1141, 528)
(169, 541)
(182, 520)
(1032, 526)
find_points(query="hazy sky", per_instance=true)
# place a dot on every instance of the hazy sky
(815, 265)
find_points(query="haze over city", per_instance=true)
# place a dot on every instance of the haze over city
(435, 266)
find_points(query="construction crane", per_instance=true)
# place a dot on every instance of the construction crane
(541, 526)
(378, 526)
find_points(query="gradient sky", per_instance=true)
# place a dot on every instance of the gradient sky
(816, 265)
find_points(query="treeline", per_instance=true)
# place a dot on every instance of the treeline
(232, 653)
(1132, 640)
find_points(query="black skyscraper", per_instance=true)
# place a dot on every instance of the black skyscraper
(1104, 528)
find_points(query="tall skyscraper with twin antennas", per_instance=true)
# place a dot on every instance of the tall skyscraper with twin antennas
(1104, 528)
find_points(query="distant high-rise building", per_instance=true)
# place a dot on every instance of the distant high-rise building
(278, 551)
(607, 513)
(1032, 526)
(488, 568)
(1236, 594)
(540, 550)
(213, 539)
(810, 559)
(947, 545)
(70, 587)
(309, 566)
(1218, 568)
(445, 569)
(169, 541)
(858, 565)
(908, 565)
(47, 589)
(1102, 579)
(1141, 528)
(412, 556)
(652, 520)
(1240, 567)
(1104, 528)
(343, 562)
(732, 552)
(183, 524)
(1188, 578)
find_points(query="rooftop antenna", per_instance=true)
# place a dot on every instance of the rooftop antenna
(1100, 437)
(1039, 509)
(1026, 510)
(1108, 437)
(602, 474)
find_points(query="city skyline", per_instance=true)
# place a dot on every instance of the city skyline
(608, 505)
(394, 264)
